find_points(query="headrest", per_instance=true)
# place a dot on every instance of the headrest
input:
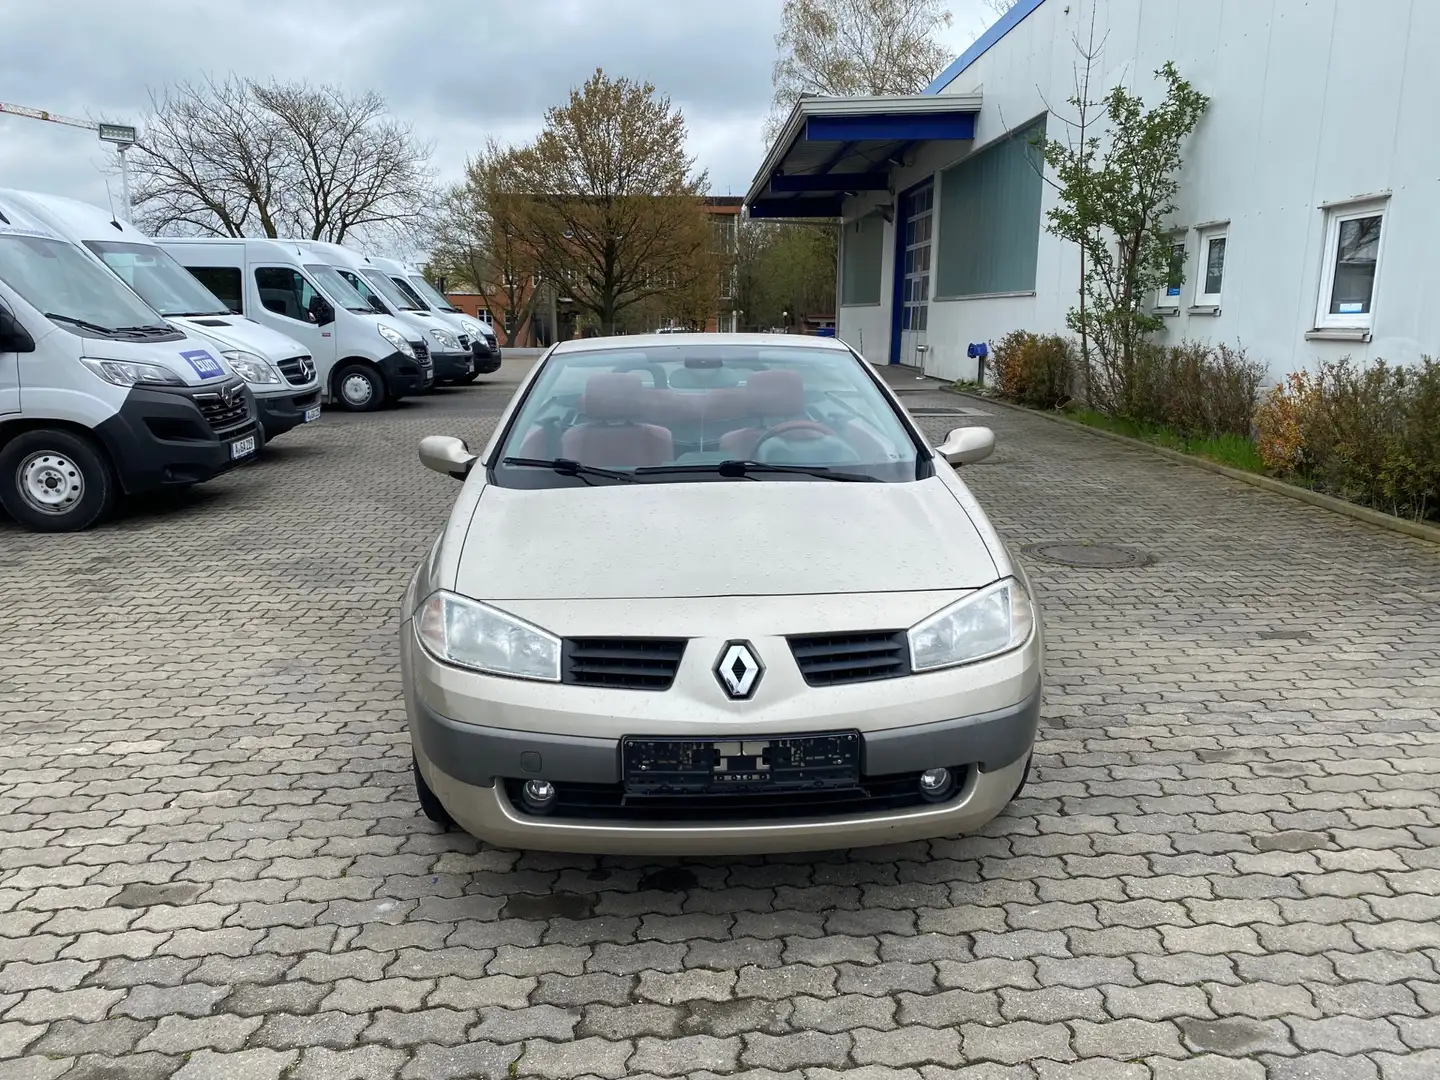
(612, 395)
(776, 393)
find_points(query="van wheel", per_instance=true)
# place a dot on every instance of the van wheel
(55, 481)
(359, 388)
(429, 801)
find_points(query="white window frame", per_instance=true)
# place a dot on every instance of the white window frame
(1163, 300)
(1208, 237)
(1335, 216)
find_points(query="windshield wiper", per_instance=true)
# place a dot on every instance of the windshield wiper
(746, 470)
(96, 327)
(198, 314)
(567, 467)
(148, 328)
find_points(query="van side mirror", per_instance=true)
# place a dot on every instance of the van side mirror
(967, 445)
(446, 454)
(321, 311)
(13, 336)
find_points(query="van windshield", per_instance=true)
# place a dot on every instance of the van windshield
(163, 283)
(69, 286)
(388, 289)
(337, 289)
(360, 285)
(429, 292)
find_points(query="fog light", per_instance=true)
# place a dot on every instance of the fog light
(936, 785)
(538, 795)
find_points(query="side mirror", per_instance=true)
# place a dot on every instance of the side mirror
(447, 455)
(321, 311)
(14, 337)
(967, 445)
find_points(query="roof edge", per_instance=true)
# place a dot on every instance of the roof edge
(1002, 26)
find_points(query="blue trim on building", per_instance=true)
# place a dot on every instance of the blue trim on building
(890, 127)
(799, 207)
(1003, 26)
(831, 182)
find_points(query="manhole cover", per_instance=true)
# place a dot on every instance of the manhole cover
(947, 410)
(1089, 556)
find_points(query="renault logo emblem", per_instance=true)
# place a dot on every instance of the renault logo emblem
(738, 670)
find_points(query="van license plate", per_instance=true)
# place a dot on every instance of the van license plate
(242, 448)
(312, 414)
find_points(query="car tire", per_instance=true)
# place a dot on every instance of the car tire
(53, 480)
(359, 388)
(429, 801)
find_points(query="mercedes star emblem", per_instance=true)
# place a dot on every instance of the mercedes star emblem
(738, 670)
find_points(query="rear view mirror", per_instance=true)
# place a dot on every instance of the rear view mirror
(13, 336)
(447, 455)
(321, 312)
(967, 445)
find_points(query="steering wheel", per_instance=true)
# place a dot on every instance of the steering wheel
(808, 431)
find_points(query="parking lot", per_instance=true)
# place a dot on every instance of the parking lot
(213, 866)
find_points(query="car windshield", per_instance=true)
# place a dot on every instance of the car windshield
(390, 291)
(337, 289)
(428, 292)
(69, 286)
(675, 412)
(363, 287)
(163, 283)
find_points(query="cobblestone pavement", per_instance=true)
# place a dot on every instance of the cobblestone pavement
(212, 864)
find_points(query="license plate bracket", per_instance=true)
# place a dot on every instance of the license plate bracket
(684, 766)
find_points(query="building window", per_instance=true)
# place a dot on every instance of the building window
(861, 258)
(1167, 297)
(1211, 278)
(1352, 259)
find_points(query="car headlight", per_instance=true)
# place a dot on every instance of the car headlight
(473, 635)
(446, 340)
(986, 623)
(397, 339)
(471, 328)
(252, 368)
(131, 373)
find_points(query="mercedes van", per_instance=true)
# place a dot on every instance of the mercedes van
(277, 368)
(413, 283)
(449, 345)
(99, 395)
(364, 359)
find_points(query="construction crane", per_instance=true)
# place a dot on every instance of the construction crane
(121, 136)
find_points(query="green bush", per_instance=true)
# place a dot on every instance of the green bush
(1198, 390)
(1035, 370)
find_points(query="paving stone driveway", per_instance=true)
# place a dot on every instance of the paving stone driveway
(212, 865)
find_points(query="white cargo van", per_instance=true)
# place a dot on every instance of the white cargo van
(449, 345)
(277, 368)
(99, 395)
(413, 282)
(364, 359)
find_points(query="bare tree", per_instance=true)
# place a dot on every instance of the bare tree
(1000, 7)
(844, 48)
(241, 158)
(609, 203)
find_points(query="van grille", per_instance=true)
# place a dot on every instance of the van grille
(834, 659)
(422, 351)
(464, 341)
(298, 370)
(622, 663)
(223, 417)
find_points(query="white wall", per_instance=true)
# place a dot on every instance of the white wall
(1312, 102)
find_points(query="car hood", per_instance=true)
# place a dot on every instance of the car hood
(237, 332)
(722, 538)
(194, 359)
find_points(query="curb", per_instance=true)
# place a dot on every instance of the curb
(1416, 529)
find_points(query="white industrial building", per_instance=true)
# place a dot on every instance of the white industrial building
(1309, 208)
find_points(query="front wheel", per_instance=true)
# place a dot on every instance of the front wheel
(53, 480)
(359, 388)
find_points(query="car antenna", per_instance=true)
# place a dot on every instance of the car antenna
(4, 220)
(110, 198)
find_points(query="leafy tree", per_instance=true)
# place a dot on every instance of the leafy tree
(785, 267)
(246, 158)
(610, 205)
(1114, 197)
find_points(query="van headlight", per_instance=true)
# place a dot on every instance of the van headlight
(397, 339)
(988, 622)
(471, 328)
(132, 373)
(473, 635)
(252, 368)
(446, 340)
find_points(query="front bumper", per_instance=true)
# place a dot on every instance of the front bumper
(452, 366)
(405, 375)
(161, 439)
(279, 413)
(472, 733)
(487, 360)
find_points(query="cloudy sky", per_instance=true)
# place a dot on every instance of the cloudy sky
(460, 70)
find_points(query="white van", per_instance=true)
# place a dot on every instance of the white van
(277, 368)
(450, 349)
(99, 395)
(413, 282)
(364, 359)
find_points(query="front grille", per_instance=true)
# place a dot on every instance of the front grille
(464, 341)
(298, 370)
(422, 351)
(224, 417)
(608, 802)
(622, 663)
(834, 659)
